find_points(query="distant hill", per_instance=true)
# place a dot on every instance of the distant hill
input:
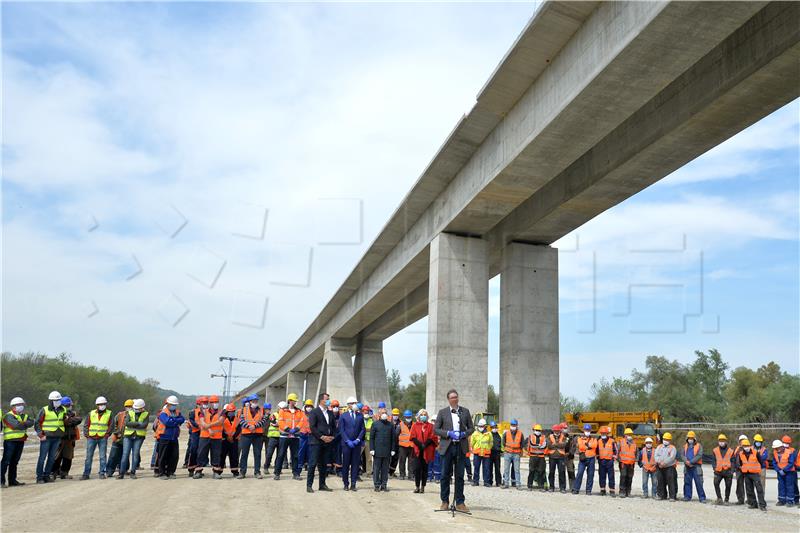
(185, 400)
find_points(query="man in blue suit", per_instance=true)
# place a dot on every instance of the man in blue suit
(351, 431)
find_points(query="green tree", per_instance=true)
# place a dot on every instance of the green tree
(393, 382)
(493, 403)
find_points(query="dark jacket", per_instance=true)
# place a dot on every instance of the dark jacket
(444, 423)
(71, 423)
(497, 442)
(382, 438)
(350, 429)
(172, 425)
(319, 427)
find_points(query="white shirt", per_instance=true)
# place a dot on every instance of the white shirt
(456, 420)
(325, 414)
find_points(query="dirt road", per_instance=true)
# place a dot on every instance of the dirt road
(224, 505)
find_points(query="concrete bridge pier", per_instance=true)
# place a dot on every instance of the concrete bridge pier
(339, 378)
(312, 382)
(529, 334)
(295, 381)
(370, 373)
(458, 311)
(274, 395)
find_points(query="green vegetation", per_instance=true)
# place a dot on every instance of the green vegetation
(412, 396)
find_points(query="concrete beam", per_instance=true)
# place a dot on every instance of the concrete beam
(340, 378)
(529, 334)
(370, 374)
(295, 381)
(312, 383)
(274, 395)
(411, 308)
(458, 306)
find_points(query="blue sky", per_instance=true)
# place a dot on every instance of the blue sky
(170, 135)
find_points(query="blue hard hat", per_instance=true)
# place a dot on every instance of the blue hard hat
(493, 424)
(587, 427)
(514, 422)
(267, 406)
(360, 406)
(66, 400)
(381, 405)
(407, 412)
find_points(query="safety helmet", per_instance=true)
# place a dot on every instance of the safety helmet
(396, 411)
(786, 439)
(648, 439)
(381, 405)
(365, 409)
(691, 435)
(213, 399)
(482, 422)
(308, 402)
(172, 400)
(229, 407)
(407, 413)
(514, 422)
(777, 444)
(351, 399)
(202, 399)
(267, 405)
(604, 430)
(359, 406)
(100, 400)
(335, 403)
(758, 438)
(537, 427)
(746, 442)
(291, 398)
(66, 400)
(587, 427)
(628, 431)
(282, 405)
(555, 427)
(667, 436)
(565, 427)
(722, 436)
(128, 403)
(138, 403)
(742, 437)
(17, 401)
(54, 396)
(493, 424)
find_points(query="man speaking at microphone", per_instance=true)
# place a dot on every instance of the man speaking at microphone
(453, 426)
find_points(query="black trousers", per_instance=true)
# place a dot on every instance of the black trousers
(453, 460)
(667, 482)
(284, 446)
(405, 458)
(380, 471)
(317, 458)
(230, 451)
(495, 468)
(167, 457)
(740, 487)
(536, 466)
(12, 451)
(420, 471)
(753, 489)
(271, 444)
(626, 478)
(208, 447)
(727, 476)
(557, 463)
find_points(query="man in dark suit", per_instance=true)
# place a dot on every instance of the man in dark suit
(352, 430)
(453, 426)
(322, 425)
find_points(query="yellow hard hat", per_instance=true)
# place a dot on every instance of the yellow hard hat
(628, 431)
(291, 398)
(537, 427)
(667, 436)
(758, 438)
(396, 411)
(691, 435)
(745, 442)
(128, 403)
(722, 436)
(309, 402)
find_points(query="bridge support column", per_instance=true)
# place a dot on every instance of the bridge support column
(294, 384)
(312, 381)
(339, 377)
(529, 334)
(370, 373)
(274, 395)
(458, 314)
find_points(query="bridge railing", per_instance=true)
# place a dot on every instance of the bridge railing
(739, 426)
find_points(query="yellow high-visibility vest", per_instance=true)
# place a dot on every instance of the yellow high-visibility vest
(98, 422)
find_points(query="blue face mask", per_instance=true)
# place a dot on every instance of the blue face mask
(172, 408)
(327, 403)
(423, 418)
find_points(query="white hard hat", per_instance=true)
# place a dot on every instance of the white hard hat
(172, 400)
(100, 399)
(742, 437)
(775, 443)
(482, 422)
(282, 404)
(20, 401)
(351, 399)
(55, 395)
(138, 403)
(648, 439)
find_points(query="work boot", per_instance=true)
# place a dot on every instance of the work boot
(266, 471)
(173, 476)
(780, 504)
(505, 486)
(444, 506)
(216, 475)
(602, 492)
(563, 491)
(276, 477)
(475, 483)
(197, 475)
(612, 493)
(309, 490)
(84, 477)
(121, 476)
(297, 477)
(463, 508)
(235, 474)
(39, 481)
(790, 504)
(259, 476)
(133, 475)
(102, 475)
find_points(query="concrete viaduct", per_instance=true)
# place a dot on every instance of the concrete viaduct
(593, 102)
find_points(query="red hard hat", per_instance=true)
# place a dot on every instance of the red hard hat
(365, 408)
(202, 399)
(556, 427)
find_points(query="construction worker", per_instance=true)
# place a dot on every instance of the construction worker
(606, 455)
(252, 419)
(96, 429)
(787, 443)
(133, 437)
(739, 474)
(396, 457)
(627, 457)
(366, 457)
(512, 451)
(537, 452)
(480, 444)
(647, 461)
(352, 431)
(158, 429)
(170, 421)
(667, 466)
(291, 421)
(569, 460)
(49, 427)
(210, 440)
(66, 449)
(494, 459)
(750, 466)
(231, 430)
(693, 468)
(723, 471)
(557, 443)
(194, 432)
(586, 445)
(784, 459)
(117, 431)
(302, 454)
(15, 425)
(273, 436)
(404, 454)
(763, 456)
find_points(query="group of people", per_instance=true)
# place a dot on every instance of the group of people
(349, 440)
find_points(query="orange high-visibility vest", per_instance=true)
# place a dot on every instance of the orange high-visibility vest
(749, 462)
(288, 420)
(696, 451)
(722, 460)
(229, 426)
(214, 431)
(605, 449)
(250, 419)
(198, 414)
(627, 452)
(513, 444)
(404, 439)
(533, 446)
(587, 446)
(649, 464)
(783, 460)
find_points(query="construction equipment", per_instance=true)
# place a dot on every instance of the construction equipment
(643, 423)
(228, 376)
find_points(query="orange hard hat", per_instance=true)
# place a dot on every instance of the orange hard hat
(786, 439)
(213, 398)
(335, 403)
(230, 407)
(605, 429)
(202, 399)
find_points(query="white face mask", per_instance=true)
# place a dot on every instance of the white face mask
(747, 449)
(513, 428)
(722, 444)
(335, 409)
(649, 444)
(384, 417)
(690, 441)
(481, 428)
(56, 404)
(215, 406)
(537, 432)
(587, 433)
(101, 407)
(666, 443)
(19, 408)
(408, 420)
(629, 438)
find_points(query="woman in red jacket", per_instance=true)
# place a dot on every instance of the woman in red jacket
(425, 442)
